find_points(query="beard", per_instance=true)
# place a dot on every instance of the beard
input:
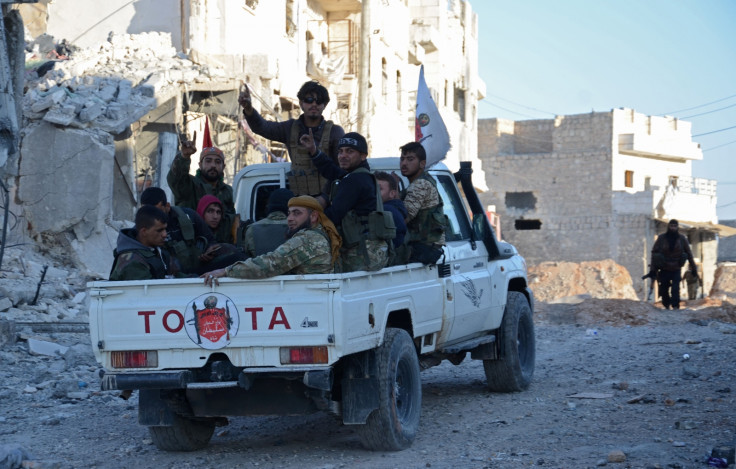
(211, 176)
(303, 226)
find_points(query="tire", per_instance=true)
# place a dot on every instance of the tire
(394, 425)
(514, 369)
(185, 435)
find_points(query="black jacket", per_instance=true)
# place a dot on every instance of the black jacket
(355, 191)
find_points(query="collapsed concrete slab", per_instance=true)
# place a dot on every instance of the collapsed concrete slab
(72, 187)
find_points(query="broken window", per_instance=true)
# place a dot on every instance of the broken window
(520, 201)
(522, 224)
(343, 42)
(628, 178)
(459, 105)
(290, 18)
(399, 101)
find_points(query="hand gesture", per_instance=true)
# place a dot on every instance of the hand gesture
(188, 147)
(307, 141)
(245, 101)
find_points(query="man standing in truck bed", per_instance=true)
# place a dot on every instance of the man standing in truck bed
(188, 189)
(312, 247)
(426, 221)
(304, 179)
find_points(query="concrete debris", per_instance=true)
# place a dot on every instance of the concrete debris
(42, 347)
(111, 85)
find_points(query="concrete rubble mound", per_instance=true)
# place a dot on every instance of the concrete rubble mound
(724, 283)
(594, 279)
(112, 85)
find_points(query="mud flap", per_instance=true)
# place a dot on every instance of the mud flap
(359, 388)
(153, 410)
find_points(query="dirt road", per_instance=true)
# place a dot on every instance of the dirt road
(659, 392)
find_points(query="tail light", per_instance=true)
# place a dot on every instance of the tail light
(303, 355)
(134, 359)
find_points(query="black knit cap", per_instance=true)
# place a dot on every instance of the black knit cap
(353, 140)
(674, 222)
(278, 201)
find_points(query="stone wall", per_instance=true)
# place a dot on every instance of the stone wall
(552, 183)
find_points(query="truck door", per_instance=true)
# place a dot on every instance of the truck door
(469, 290)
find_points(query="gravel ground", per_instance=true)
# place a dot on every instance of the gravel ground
(601, 393)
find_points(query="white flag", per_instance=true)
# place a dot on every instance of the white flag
(429, 128)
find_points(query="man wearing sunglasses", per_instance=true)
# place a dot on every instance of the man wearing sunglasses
(304, 179)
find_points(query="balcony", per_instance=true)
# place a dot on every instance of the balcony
(644, 145)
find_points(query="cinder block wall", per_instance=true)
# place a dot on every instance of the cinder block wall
(556, 172)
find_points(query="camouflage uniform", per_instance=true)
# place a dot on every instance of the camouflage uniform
(277, 234)
(307, 252)
(188, 189)
(420, 195)
(354, 259)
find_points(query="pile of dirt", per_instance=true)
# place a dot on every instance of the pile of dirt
(724, 282)
(621, 313)
(595, 279)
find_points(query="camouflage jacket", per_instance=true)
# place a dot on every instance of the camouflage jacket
(307, 252)
(188, 189)
(420, 199)
(266, 234)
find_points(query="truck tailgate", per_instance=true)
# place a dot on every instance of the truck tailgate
(186, 322)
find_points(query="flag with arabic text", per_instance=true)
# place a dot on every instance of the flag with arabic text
(429, 128)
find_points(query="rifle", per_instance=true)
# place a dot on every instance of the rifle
(652, 274)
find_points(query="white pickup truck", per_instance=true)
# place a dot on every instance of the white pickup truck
(352, 344)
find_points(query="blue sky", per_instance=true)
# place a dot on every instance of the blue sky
(542, 58)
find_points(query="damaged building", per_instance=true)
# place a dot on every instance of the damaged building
(601, 185)
(103, 115)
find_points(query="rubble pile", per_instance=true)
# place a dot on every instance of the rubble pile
(35, 288)
(595, 279)
(724, 282)
(109, 86)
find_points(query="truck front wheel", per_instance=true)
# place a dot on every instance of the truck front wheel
(184, 435)
(513, 370)
(393, 426)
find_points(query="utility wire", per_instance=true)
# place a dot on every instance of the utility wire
(701, 105)
(714, 131)
(484, 100)
(719, 146)
(707, 112)
(521, 105)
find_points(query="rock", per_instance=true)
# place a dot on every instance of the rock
(5, 303)
(13, 455)
(79, 297)
(8, 334)
(42, 347)
(616, 456)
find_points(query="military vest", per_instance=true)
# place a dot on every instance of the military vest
(186, 251)
(428, 226)
(378, 224)
(268, 236)
(304, 178)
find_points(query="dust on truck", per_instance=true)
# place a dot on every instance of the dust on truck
(352, 344)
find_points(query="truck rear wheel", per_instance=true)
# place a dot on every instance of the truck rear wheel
(514, 369)
(394, 425)
(184, 435)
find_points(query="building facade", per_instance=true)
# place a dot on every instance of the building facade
(598, 186)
